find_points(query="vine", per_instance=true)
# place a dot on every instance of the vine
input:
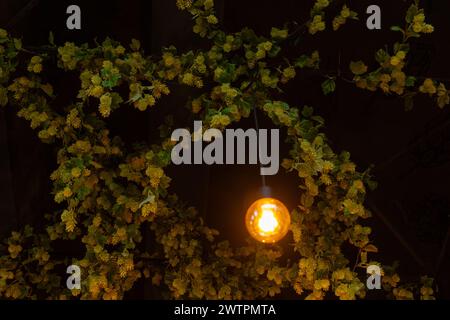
(110, 192)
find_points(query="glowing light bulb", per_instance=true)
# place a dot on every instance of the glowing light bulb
(267, 220)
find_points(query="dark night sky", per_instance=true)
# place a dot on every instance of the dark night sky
(410, 150)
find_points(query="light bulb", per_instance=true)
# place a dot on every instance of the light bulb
(267, 220)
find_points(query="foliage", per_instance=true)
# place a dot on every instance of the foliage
(390, 76)
(109, 192)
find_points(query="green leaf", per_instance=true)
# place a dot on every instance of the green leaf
(381, 56)
(358, 67)
(412, 11)
(51, 38)
(28, 231)
(18, 44)
(135, 45)
(116, 100)
(274, 51)
(397, 28)
(278, 33)
(303, 170)
(302, 61)
(328, 86)
(401, 47)
(164, 158)
(82, 192)
(307, 200)
(410, 81)
(318, 119)
(229, 72)
(112, 79)
(345, 156)
(354, 15)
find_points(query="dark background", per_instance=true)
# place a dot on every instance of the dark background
(410, 150)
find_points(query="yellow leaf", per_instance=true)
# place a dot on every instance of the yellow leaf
(370, 248)
(358, 67)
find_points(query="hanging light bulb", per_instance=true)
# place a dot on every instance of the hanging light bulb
(267, 220)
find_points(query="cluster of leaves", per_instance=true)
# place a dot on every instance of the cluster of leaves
(390, 76)
(110, 193)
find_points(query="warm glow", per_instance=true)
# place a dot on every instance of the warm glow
(267, 223)
(267, 220)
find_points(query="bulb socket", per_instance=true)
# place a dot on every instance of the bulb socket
(265, 192)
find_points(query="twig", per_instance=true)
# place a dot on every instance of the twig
(22, 13)
(400, 238)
